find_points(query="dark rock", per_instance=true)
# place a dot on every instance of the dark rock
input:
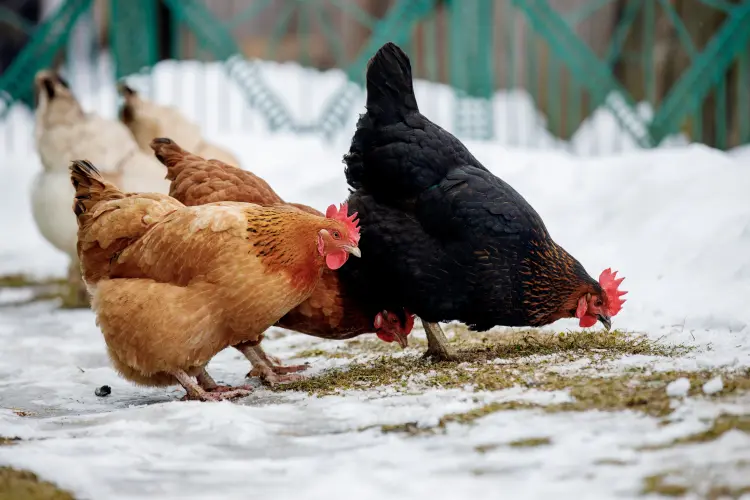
(103, 391)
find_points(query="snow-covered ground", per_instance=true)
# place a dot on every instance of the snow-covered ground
(674, 221)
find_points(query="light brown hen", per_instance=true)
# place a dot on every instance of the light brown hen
(172, 286)
(148, 120)
(330, 312)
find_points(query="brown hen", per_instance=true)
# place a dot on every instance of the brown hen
(330, 312)
(172, 286)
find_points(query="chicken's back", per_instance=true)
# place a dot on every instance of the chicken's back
(197, 181)
(148, 120)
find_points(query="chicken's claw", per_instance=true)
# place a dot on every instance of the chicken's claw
(273, 379)
(269, 368)
(217, 396)
(220, 389)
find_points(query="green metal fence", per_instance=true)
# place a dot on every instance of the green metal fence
(686, 60)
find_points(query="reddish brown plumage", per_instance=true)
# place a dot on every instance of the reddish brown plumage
(329, 312)
(173, 285)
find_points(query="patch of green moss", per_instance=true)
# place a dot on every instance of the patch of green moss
(25, 485)
(658, 484)
(530, 442)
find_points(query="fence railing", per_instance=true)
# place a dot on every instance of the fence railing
(646, 69)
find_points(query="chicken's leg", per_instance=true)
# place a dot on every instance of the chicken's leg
(263, 368)
(208, 384)
(196, 392)
(437, 343)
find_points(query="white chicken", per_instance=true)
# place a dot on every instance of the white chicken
(63, 133)
(147, 121)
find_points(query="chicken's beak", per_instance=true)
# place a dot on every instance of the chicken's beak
(352, 250)
(605, 320)
(402, 340)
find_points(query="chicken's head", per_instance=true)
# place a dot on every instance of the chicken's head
(148, 120)
(601, 306)
(55, 103)
(389, 327)
(340, 237)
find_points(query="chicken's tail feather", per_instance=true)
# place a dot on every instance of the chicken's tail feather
(91, 188)
(389, 82)
(171, 155)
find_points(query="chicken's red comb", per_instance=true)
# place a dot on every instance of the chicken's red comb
(610, 283)
(350, 221)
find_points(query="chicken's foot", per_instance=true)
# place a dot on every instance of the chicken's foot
(437, 343)
(197, 393)
(208, 384)
(275, 363)
(266, 370)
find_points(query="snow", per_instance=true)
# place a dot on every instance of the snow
(674, 221)
(713, 386)
(679, 388)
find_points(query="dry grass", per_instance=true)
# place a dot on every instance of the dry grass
(678, 484)
(320, 353)
(530, 359)
(8, 441)
(721, 425)
(21, 281)
(25, 485)
(42, 290)
(495, 361)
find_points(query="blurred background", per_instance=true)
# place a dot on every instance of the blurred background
(589, 76)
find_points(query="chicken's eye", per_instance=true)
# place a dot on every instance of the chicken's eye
(336, 235)
(598, 302)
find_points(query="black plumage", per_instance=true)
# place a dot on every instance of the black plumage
(441, 235)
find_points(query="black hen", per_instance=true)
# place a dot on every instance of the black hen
(445, 238)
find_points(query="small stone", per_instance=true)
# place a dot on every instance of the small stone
(103, 391)
(679, 388)
(713, 386)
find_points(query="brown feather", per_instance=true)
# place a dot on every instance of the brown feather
(329, 312)
(173, 285)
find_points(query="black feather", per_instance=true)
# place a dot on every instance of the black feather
(441, 235)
